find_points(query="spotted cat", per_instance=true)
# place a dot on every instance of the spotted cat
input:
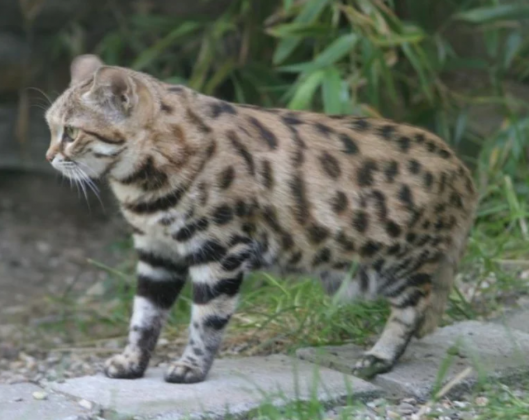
(213, 190)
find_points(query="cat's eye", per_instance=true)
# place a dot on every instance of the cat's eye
(70, 133)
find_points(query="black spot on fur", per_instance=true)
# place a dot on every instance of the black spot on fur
(393, 229)
(370, 248)
(322, 257)
(187, 232)
(248, 228)
(428, 179)
(222, 214)
(162, 293)
(394, 249)
(346, 243)
(287, 241)
(198, 122)
(455, 200)
(269, 137)
(414, 166)
(203, 293)
(168, 109)
(296, 258)
(406, 196)
(210, 251)
(216, 322)
(445, 154)
(161, 204)
(242, 209)
(242, 151)
(270, 217)
(391, 170)
(330, 165)
(267, 174)
(404, 143)
(360, 124)
(340, 202)
(411, 237)
(147, 176)
(226, 177)
(291, 119)
(156, 261)
(317, 233)
(297, 188)
(234, 261)
(431, 147)
(443, 182)
(220, 107)
(387, 131)
(350, 146)
(365, 173)
(380, 203)
(323, 129)
(360, 221)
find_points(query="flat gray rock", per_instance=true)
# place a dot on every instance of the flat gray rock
(516, 320)
(17, 403)
(490, 349)
(234, 386)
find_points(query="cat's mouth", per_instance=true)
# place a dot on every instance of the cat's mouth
(78, 173)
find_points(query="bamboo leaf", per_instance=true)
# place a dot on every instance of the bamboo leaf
(308, 14)
(151, 54)
(512, 46)
(305, 91)
(495, 13)
(329, 56)
(332, 91)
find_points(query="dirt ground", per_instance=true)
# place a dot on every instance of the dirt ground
(48, 231)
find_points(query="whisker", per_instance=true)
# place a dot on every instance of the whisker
(41, 92)
(86, 180)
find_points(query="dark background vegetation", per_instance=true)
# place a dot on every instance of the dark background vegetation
(457, 67)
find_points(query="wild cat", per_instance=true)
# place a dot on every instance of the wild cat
(213, 190)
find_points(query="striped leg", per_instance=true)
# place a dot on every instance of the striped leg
(215, 292)
(160, 280)
(408, 299)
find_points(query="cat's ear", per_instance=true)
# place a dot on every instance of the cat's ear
(116, 89)
(84, 67)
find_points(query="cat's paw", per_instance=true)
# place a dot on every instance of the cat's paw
(125, 366)
(183, 373)
(370, 365)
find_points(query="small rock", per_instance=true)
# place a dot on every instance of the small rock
(405, 408)
(481, 401)
(85, 404)
(40, 395)
(392, 415)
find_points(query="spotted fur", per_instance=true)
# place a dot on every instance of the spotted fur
(214, 190)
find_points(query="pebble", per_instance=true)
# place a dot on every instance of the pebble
(40, 395)
(86, 404)
(406, 408)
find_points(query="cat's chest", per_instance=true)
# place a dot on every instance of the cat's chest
(160, 227)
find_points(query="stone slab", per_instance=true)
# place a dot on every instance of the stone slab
(491, 350)
(17, 403)
(234, 386)
(516, 319)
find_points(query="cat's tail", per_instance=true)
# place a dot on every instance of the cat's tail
(442, 283)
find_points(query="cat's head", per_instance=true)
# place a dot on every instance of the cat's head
(100, 124)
